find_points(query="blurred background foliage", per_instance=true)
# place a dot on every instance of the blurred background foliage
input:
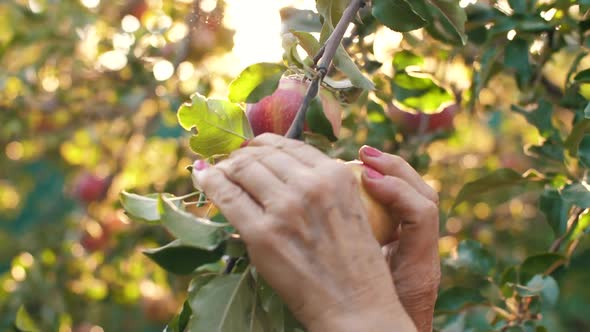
(88, 96)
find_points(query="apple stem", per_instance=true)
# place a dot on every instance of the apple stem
(324, 56)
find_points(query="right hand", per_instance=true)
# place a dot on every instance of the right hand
(413, 255)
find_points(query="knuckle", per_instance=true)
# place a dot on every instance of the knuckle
(228, 196)
(396, 162)
(315, 188)
(287, 205)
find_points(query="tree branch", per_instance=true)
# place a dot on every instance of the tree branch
(324, 56)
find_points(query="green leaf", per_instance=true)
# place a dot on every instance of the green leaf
(501, 180)
(539, 117)
(577, 194)
(420, 92)
(308, 42)
(224, 304)
(516, 56)
(582, 227)
(544, 286)
(144, 208)
(555, 209)
(470, 255)
(178, 258)
(457, 298)
(191, 230)
(221, 126)
(579, 131)
(398, 15)
(582, 76)
(317, 121)
(519, 6)
(344, 63)
(453, 15)
(404, 59)
(256, 82)
(180, 321)
(538, 264)
(24, 322)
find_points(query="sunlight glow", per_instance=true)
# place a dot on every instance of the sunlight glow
(258, 27)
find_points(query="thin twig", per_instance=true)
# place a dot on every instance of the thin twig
(326, 54)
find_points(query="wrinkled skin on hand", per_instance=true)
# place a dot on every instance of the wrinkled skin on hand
(300, 214)
(413, 257)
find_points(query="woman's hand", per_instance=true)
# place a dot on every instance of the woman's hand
(300, 214)
(413, 257)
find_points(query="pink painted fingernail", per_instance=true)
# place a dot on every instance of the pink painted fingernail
(372, 173)
(200, 165)
(245, 143)
(370, 151)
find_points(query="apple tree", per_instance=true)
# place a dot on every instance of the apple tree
(485, 76)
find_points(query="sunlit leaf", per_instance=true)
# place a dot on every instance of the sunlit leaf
(256, 82)
(221, 126)
(24, 322)
(577, 194)
(143, 208)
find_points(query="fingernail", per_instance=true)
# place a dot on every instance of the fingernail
(372, 173)
(197, 175)
(370, 151)
(200, 165)
(245, 143)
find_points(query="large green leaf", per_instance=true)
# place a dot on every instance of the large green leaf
(256, 82)
(398, 15)
(224, 304)
(501, 180)
(189, 229)
(575, 138)
(180, 321)
(420, 92)
(178, 258)
(457, 298)
(404, 59)
(221, 126)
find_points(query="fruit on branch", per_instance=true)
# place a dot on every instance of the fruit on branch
(160, 308)
(382, 223)
(90, 188)
(421, 123)
(275, 113)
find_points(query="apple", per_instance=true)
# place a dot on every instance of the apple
(114, 222)
(418, 123)
(94, 237)
(275, 113)
(90, 188)
(382, 223)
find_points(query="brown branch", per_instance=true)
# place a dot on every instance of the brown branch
(326, 54)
